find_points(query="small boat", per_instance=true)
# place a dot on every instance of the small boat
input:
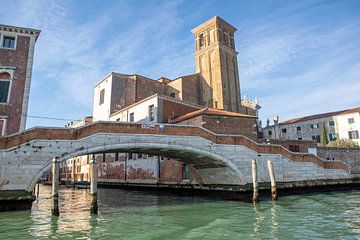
(82, 185)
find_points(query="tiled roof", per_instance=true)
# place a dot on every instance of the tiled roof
(211, 111)
(322, 115)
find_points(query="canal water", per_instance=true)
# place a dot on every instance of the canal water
(145, 215)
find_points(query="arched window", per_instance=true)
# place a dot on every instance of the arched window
(4, 86)
(201, 40)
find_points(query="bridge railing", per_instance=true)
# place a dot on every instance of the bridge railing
(41, 133)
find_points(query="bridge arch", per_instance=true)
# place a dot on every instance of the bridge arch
(202, 160)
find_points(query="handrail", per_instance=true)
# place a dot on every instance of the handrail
(42, 133)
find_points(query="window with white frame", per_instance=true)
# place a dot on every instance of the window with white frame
(151, 113)
(5, 80)
(353, 134)
(332, 136)
(314, 126)
(351, 120)
(8, 42)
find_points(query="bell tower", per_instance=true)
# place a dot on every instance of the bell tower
(216, 62)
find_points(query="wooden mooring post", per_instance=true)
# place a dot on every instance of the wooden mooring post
(93, 187)
(255, 182)
(37, 189)
(55, 187)
(272, 179)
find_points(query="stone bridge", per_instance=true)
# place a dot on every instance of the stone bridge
(220, 159)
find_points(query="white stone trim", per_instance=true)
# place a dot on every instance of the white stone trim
(7, 34)
(3, 118)
(27, 83)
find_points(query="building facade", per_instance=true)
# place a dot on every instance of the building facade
(209, 98)
(343, 124)
(17, 47)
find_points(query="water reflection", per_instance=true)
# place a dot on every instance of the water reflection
(145, 215)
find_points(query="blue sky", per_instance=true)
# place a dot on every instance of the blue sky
(297, 57)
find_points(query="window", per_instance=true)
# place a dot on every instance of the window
(283, 130)
(314, 126)
(131, 117)
(172, 95)
(270, 133)
(298, 128)
(2, 126)
(150, 93)
(316, 138)
(201, 40)
(116, 157)
(104, 157)
(130, 156)
(9, 42)
(294, 148)
(151, 113)
(139, 155)
(4, 87)
(351, 120)
(185, 171)
(332, 136)
(331, 123)
(299, 138)
(354, 134)
(102, 96)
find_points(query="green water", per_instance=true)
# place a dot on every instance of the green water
(140, 215)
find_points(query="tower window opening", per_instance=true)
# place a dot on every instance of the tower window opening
(201, 40)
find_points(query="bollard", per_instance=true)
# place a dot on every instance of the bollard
(272, 179)
(255, 182)
(55, 187)
(93, 187)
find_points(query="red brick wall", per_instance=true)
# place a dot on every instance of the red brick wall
(303, 145)
(18, 59)
(191, 89)
(172, 109)
(225, 125)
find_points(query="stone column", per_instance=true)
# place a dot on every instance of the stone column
(55, 187)
(93, 186)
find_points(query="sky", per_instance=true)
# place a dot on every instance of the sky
(297, 57)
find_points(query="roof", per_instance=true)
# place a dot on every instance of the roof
(212, 20)
(211, 111)
(322, 115)
(20, 29)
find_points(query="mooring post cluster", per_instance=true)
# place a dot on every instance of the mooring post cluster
(255, 197)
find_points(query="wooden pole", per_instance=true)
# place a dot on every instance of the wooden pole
(55, 187)
(73, 166)
(255, 182)
(93, 187)
(38, 190)
(272, 179)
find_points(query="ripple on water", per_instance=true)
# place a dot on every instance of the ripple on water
(144, 215)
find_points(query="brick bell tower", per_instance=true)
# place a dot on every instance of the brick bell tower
(216, 62)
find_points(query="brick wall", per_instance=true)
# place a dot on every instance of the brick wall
(191, 89)
(15, 58)
(225, 125)
(350, 156)
(302, 145)
(171, 110)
